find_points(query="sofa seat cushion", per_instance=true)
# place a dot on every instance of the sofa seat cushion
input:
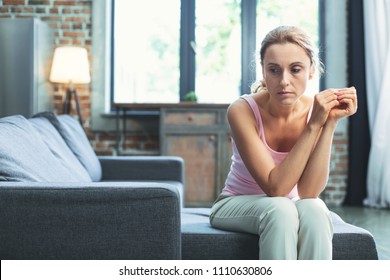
(200, 241)
(24, 156)
(76, 139)
(59, 149)
(351, 242)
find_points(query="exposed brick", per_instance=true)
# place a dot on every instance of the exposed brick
(52, 18)
(72, 3)
(14, 2)
(65, 3)
(151, 146)
(105, 137)
(135, 146)
(16, 9)
(76, 19)
(53, 10)
(28, 10)
(73, 34)
(78, 26)
(77, 42)
(65, 26)
(39, 2)
(64, 42)
(40, 10)
(67, 11)
(104, 153)
(340, 142)
(101, 145)
(111, 145)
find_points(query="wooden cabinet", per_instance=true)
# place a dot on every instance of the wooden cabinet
(200, 135)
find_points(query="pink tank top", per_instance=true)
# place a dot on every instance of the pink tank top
(239, 181)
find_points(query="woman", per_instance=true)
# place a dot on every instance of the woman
(281, 153)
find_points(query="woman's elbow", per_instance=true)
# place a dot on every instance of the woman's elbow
(277, 191)
(308, 194)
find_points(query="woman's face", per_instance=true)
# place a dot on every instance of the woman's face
(286, 71)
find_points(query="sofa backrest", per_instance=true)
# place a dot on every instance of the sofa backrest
(24, 156)
(76, 139)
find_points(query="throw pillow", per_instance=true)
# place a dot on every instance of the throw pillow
(76, 139)
(60, 149)
(24, 156)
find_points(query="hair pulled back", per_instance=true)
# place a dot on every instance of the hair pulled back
(288, 34)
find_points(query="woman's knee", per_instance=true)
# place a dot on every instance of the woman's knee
(312, 207)
(281, 213)
(314, 214)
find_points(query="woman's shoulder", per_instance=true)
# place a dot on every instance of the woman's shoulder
(239, 109)
(307, 101)
(237, 104)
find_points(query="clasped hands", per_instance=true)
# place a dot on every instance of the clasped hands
(334, 104)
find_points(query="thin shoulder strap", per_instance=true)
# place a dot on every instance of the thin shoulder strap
(309, 114)
(252, 103)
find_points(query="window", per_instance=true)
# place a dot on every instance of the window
(218, 50)
(146, 48)
(163, 50)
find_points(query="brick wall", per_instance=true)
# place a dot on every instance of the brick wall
(72, 21)
(334, 193)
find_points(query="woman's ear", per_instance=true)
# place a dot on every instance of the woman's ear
(312, 71)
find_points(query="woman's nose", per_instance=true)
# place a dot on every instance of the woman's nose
(285, 80)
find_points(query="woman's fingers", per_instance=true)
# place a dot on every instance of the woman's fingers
(348, 97)
(336, 103)
(349, 105)
(327, 99)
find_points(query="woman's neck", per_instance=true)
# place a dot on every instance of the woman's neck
(277, 110)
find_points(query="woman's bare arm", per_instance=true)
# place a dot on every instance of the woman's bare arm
(276, 180)
(316, 173)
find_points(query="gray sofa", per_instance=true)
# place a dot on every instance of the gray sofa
(58, 200)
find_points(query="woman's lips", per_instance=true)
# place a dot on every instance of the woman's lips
(284, 92)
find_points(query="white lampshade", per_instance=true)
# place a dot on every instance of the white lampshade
(70, 65)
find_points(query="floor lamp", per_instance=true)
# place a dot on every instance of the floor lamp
(70, 66)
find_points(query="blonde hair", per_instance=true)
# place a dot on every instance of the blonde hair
(293, 35)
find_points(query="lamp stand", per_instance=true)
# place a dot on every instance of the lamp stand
(67, 103)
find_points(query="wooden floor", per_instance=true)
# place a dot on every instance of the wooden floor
(376, 221)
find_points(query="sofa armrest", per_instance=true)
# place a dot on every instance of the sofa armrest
(138, 168)
(114, 220)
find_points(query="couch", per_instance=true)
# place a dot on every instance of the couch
(58, 200)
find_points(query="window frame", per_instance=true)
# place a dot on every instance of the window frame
(102, 113)
(187, 54)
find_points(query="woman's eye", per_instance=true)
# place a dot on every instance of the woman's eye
(274, 70)
(296, 70)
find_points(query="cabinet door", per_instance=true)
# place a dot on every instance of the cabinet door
(199, 153)
(198, 135)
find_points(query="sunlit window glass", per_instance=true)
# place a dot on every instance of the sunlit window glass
(218, 50)
(146, 51)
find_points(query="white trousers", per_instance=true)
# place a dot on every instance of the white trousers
(288, 229)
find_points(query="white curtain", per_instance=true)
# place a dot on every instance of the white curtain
(377, 53)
